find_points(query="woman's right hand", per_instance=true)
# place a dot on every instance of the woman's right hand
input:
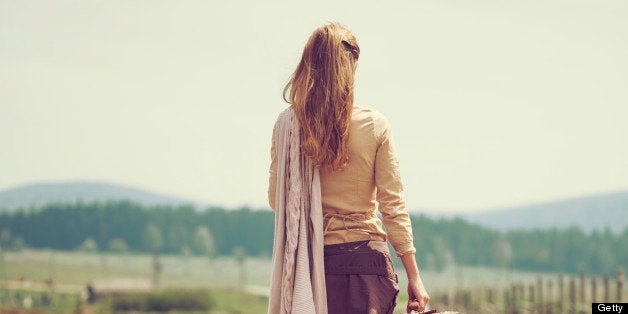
(416, 289)
(418, 294)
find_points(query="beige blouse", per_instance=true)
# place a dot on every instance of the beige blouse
(371, 181)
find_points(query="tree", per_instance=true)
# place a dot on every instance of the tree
(5, 238)
(89, 245)
(440, 254)
(153, 241)
(118, 245)
(204, 241)
(178, 235)
(502, 251)
(239, 254)
(18, 244)
(186, 252)
(152, 238)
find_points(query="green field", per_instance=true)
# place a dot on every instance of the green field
(71, 271)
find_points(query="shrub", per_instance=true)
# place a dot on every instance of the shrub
(163, 301)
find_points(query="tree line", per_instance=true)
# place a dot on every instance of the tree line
(125, 226)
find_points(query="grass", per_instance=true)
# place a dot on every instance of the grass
(185, 300)
(73, 270)
(37, 299)
(27, 271)
(231, 301)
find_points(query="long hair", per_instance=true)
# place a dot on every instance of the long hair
(321, 93)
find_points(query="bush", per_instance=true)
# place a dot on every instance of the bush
(163, 301)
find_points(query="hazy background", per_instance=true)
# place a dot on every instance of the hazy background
(493, 103)
(119, 118)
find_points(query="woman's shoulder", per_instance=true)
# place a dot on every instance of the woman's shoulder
(370, 115)
(284, 116)
(288, 111)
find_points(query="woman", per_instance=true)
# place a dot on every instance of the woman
(351, 148)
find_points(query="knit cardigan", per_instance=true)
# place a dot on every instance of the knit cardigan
(298, 273)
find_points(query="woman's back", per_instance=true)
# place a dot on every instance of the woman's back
(350, 196)
(353, 189)
(351, 149)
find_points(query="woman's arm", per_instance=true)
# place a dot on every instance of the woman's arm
(395, 216)
(416, 290)
(390, 198)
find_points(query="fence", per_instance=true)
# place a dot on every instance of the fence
(564, 294)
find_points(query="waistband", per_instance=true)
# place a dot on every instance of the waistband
(366, 257)
(364, 246)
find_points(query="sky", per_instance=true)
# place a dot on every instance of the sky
(492, 103)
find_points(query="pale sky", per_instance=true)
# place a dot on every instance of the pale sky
(492, 103)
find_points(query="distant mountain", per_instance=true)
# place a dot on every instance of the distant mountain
(589, 212)
(38, 194)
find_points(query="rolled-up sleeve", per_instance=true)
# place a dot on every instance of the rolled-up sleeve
(272, 180)
(390, 191)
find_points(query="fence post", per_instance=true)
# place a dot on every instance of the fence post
(531, 298)
(457, 299)
(620, 282)
(460, 299)
(489, 296)
(539, 283)
(550, 297)
(447, 300)
(582, 286)
(606, 286)
(572, 295)
(561, 293)
(513, 297)
(531, 293)
(593, 289)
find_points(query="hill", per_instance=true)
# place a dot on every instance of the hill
(588, 212)
(38, 194)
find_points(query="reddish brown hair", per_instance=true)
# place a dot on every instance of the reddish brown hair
(321, 93)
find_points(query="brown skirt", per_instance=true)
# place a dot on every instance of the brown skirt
(360, 278)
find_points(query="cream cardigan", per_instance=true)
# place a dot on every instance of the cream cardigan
(298, 272)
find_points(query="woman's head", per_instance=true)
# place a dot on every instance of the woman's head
(321, 92)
